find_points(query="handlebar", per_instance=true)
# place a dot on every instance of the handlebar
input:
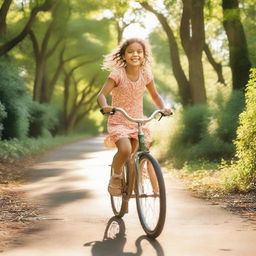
(136, 120)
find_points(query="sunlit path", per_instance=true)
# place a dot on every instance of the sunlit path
(70, 184)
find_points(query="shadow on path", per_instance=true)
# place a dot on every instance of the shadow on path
(65, 196)
(114, 240)
(74, 151)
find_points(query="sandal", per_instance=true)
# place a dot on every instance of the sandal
(115, 186)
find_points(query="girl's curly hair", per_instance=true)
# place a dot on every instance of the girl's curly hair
(115, 58)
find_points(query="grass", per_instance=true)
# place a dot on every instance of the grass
(201, 176)
(13, 149)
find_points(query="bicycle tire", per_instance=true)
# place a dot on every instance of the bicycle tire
(150, 199)
(115, 227)
(119, 204)
(156, 246)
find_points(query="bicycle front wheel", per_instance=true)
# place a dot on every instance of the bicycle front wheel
(150, 195)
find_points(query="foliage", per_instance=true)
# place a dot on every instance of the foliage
(227, 113)
(13, 95)
(191, 137)
(241, 175)
(31, 146)
(248, 10)
(42, 119)
(3, 115)
(88, 125)
(190, 129)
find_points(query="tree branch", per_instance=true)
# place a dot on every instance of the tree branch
(13, 42)
(34, 43)
(185, 27)
(216, 66)
(3, 14)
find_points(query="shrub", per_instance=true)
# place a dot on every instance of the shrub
(87, 125)
(13, 95)
(227, 115)
(190, 129)
(3, 115)
(241, 174)
(42, 119)
(193, 137)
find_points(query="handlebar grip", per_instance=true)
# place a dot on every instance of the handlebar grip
(112, 112)
(163, 114)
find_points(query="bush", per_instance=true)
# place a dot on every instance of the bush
(227, 115)
(87, 125)
(191, 126)
(3, 115)
(15, 148)
(193, 136)
(42, 119)
(241, 174)
(13, 95)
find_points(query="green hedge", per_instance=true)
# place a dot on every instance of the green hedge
(13, 95)
(227, 115)
(3, 115)
(241, 175)
(15, 148)
(42, 119)
(191, 137)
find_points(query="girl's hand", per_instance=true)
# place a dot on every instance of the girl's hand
(107, 109)
(167, 111)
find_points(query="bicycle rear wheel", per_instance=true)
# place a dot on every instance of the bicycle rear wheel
(150, 195)
(119, 204)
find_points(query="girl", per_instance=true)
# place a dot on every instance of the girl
(130, 75)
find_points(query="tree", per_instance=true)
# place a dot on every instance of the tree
(78, 100)
(3, 14)
(193, 41)
(238, 52)
(45, 46)
(183, 84)
(192, 90)
(7, 46)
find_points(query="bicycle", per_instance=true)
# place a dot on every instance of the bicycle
(142, 174)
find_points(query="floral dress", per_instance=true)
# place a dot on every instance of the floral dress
(129, 96)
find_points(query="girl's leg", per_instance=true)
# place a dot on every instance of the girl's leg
(121, 157)
(135, 146)
(123, 154)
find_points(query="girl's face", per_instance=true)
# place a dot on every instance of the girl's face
(134, 54)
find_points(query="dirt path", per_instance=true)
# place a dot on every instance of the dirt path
(69, 184)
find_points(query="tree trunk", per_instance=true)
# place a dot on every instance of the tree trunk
(238, 52)
(41, 91)
(182, 81)
(39, 74)
(120, 31)
(192, 38)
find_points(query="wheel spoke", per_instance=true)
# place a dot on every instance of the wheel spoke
(148, 200)
(117, 202)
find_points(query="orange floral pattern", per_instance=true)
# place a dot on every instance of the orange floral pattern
(129, 96)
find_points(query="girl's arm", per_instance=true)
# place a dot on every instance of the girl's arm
(156, 97)
(104, 92)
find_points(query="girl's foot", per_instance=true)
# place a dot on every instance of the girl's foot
(115, 186)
